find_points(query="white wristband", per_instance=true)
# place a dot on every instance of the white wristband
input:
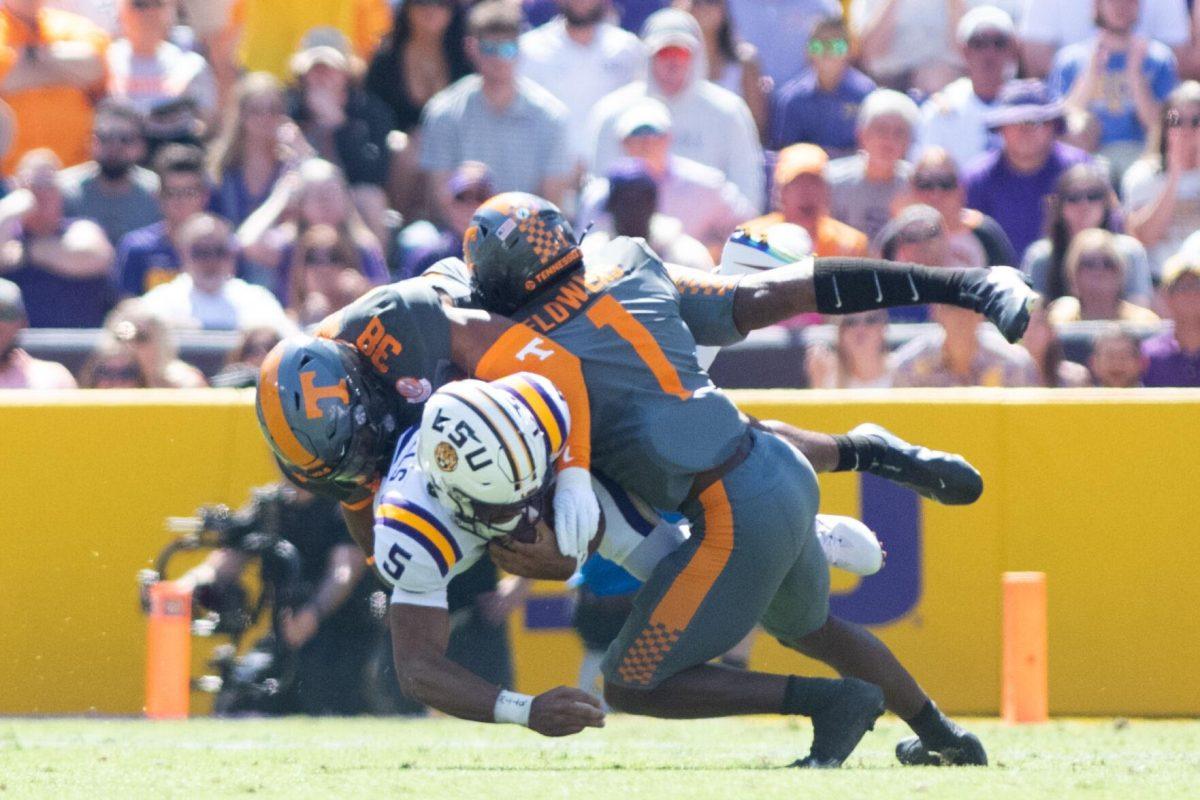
(512, 707)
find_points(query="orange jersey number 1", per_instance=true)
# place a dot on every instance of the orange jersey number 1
(607, 312)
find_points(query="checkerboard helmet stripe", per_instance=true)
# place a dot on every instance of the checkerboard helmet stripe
(486, 454)
(326, 419)
(517, 246)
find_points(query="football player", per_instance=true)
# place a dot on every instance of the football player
(476, 474)
(660, 425)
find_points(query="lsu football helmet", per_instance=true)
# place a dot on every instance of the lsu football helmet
(517, 246)
(488, 450)
(328, 420)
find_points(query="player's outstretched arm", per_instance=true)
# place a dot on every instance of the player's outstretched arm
(849, 285)
(419, 638)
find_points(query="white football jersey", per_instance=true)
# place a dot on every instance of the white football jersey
(419, 547)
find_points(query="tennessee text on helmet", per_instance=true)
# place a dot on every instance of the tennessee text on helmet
(327, 419)
(517, 246)
(488, 450)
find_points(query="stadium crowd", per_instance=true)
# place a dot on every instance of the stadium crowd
(252, 165)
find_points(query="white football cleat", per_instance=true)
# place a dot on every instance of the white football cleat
(849, 544)
(746, 252)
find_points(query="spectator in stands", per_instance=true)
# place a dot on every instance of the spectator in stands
(908, 43)
(469, 187)
(256, 145)
(710, 124)
(112, 189)
(1173, 357)
(55, 72)
(632, 210)
(154, 346)
(1116, 361)
(1042, 342)
(343, 124)
(1162, 190)
(244, 361)
(147, 256)
(708, 204)
(863, 186)
(262, 35)
(1095, 271)
(1011, 184)
(174, 89)
(1083, 199)
(316, 194)
(325, 275)
(860, 360)
(18, 369)
(963, 351)
(954, 118)
(732, 61)
(1120, 77)
(802, 197)
(206, 294)
(821, 104)
(1047, 27)
(112, 365)
(778, 28)
(63, 266)
(422, 55)
(497, 117)
(975, 238)
(579, 57)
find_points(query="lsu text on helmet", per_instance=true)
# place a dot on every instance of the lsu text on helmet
(488, 450)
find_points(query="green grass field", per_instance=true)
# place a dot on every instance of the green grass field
(631, 758)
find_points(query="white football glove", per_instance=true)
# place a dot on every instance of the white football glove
(576, 512)
(849, 544)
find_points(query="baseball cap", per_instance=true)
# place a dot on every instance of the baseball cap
(1177, 266)
(629, 173)
(12, 305)
(1024, 101)
(471, 175)
(985, 18)
(799, 159)
(916, 223)
(322, 45)
(671, 27)
(647, 117)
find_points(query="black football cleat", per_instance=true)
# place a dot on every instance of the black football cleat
(841, 725)
(966, 750)
(1003, 295)
(944, 477)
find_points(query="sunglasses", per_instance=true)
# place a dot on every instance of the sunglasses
(1177, 120)
(106, 373)
(929, 183)
(183, 193)
(214, 252)
(506, 50)
(1098, 262)
(118, 138)
(828, 47)
(989, 42)
(1087, 196)
(322, 258)
(472, 199)
(147, 5)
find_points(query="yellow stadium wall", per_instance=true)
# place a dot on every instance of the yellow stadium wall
(1095, 489)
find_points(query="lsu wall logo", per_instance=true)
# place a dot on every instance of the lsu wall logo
(894, 513)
